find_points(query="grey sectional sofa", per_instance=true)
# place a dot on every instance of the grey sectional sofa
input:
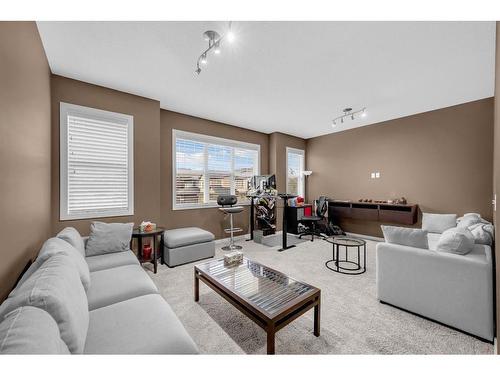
(105, 304)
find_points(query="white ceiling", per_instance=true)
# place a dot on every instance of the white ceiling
(291, 77)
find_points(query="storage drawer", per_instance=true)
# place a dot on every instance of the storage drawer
(339, 212)
(364, 212)
(398, 215)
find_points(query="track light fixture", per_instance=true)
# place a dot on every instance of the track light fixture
(214, 44)
(348, 112)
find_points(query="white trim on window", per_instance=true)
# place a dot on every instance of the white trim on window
(301, 185)
(112, 123)
(207, 139)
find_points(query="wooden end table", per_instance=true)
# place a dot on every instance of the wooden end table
(268, 297)
(136, 233)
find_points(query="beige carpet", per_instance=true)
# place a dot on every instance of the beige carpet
(352, 320)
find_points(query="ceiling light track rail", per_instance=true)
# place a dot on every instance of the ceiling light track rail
(214, 44)
(349, 113)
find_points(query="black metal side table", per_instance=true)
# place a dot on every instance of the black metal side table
(136, 233)
(347, 266)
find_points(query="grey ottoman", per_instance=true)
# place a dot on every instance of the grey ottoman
(185, 245)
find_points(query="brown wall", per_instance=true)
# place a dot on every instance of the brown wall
(210, 219)
(278, 142)
(496, 173)
(146, 114)
(24, 148)
(441, 160)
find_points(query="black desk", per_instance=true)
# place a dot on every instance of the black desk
(284, 230)
(252, 211)
(294, 214)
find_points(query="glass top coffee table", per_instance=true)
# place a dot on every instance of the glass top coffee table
(348, 266)
(268, 297)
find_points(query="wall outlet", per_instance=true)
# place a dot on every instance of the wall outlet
(377, 174)
(373, 175)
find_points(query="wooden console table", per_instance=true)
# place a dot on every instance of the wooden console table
(406, 214)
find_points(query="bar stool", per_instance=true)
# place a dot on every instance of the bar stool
(227, 203)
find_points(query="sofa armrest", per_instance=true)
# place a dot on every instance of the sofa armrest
(453, 289)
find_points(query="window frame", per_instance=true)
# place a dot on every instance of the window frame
(67, 109)
(207, 139)
(301, 185)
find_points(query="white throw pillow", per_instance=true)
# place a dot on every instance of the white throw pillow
(438, 223)
(483, 233)
(73, 237)
(469, 220)
(456, 240)
(56, 288)
(405, 236)
(107, 238)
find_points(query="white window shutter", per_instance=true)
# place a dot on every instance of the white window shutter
(96, 163)
(189, 180)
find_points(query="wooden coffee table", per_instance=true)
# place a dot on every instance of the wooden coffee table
(268, 297)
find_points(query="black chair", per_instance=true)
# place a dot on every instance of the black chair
(311, 221)
(227, 203)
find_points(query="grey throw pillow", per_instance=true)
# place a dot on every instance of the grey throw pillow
(456, 240)
(405, 236)
(108, 238)
(55, 246)
(73, 237)
(56, 288)
(30, 330)
(438, 223)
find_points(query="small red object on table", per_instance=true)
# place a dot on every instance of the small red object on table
(146, 252)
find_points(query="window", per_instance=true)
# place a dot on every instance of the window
(294, 171)
(205, 167)
(96, 163)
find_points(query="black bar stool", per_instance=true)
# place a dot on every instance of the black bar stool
(227, 203)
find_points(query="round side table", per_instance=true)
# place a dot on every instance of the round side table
(136, 233)
(347, 266)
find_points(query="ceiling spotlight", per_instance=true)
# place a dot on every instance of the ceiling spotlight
(349, 113)
(214, 44)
